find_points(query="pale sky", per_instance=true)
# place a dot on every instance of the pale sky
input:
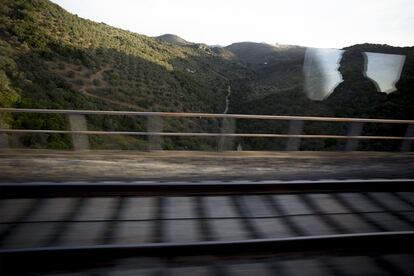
(313, 23)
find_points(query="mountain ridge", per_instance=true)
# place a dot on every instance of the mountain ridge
(173, 39)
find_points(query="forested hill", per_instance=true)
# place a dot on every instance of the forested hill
(53, 59)
(82, 63)
(173, 39)
(50, 58)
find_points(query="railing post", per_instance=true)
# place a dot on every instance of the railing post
(77, 122)
(154, 124)
(406, 144)
(295, 128)
(354, 129)
(4, 138)
(228, 127)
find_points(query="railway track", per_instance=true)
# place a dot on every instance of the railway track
(213, 227)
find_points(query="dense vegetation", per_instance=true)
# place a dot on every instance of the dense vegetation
(277, 88)
(50, 58)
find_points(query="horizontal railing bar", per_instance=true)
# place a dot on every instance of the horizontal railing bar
(205, 115)
(203, 134)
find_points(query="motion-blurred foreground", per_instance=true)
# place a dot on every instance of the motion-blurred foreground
(195, 213)
(207, 228)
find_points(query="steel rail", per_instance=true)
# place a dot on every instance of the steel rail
(57, 257)
(105, 189)
(204, 115)
(201, 134)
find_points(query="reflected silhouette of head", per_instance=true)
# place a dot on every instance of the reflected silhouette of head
(352, 65)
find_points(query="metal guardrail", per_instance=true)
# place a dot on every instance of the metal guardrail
(79, 132)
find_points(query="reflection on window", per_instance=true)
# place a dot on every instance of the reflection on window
(385, 70)
(322, 76)
(321, 72)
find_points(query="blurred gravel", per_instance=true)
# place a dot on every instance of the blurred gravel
(38, 165)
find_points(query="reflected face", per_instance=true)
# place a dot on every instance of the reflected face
(325, 69)
(352, 65)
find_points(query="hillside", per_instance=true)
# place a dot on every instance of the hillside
(50, 58)
(275, 68)
(260, 53)
(173, 39)
(278, 88)
(53, 59)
